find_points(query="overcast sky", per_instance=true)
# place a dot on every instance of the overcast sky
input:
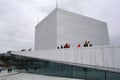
(19, 17)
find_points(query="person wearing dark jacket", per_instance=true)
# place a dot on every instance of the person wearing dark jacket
(85, 44)
(61, 46)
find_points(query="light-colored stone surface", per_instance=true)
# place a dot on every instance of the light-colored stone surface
(27, 76)
(107, 57)
(45, 33)
(5, 73)
(62, 26)
(74, 28)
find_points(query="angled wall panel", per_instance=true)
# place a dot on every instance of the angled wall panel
(45, 33)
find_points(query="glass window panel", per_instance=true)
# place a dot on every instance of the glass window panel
(78, 72)
(67, 70)
(95, 74)
(112, 76)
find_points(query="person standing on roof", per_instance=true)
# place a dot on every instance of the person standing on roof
(78, 46)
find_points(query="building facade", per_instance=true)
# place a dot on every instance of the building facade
(99, 62)
(62, 26)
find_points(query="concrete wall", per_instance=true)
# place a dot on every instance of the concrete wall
(104, 56)
(46, 33)
(62, 26)
(74, 29)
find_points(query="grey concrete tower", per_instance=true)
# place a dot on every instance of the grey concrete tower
(62, 26)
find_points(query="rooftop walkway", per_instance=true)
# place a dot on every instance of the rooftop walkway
(99, 57)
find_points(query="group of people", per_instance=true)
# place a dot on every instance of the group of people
(9, 70)
(65, 46)
(26, 50)
(86, 44)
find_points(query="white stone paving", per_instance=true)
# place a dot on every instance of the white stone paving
(27, 76)
(5, 73)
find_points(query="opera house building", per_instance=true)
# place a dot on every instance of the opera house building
(100, 61)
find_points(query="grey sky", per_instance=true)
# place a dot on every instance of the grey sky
(19, 17)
